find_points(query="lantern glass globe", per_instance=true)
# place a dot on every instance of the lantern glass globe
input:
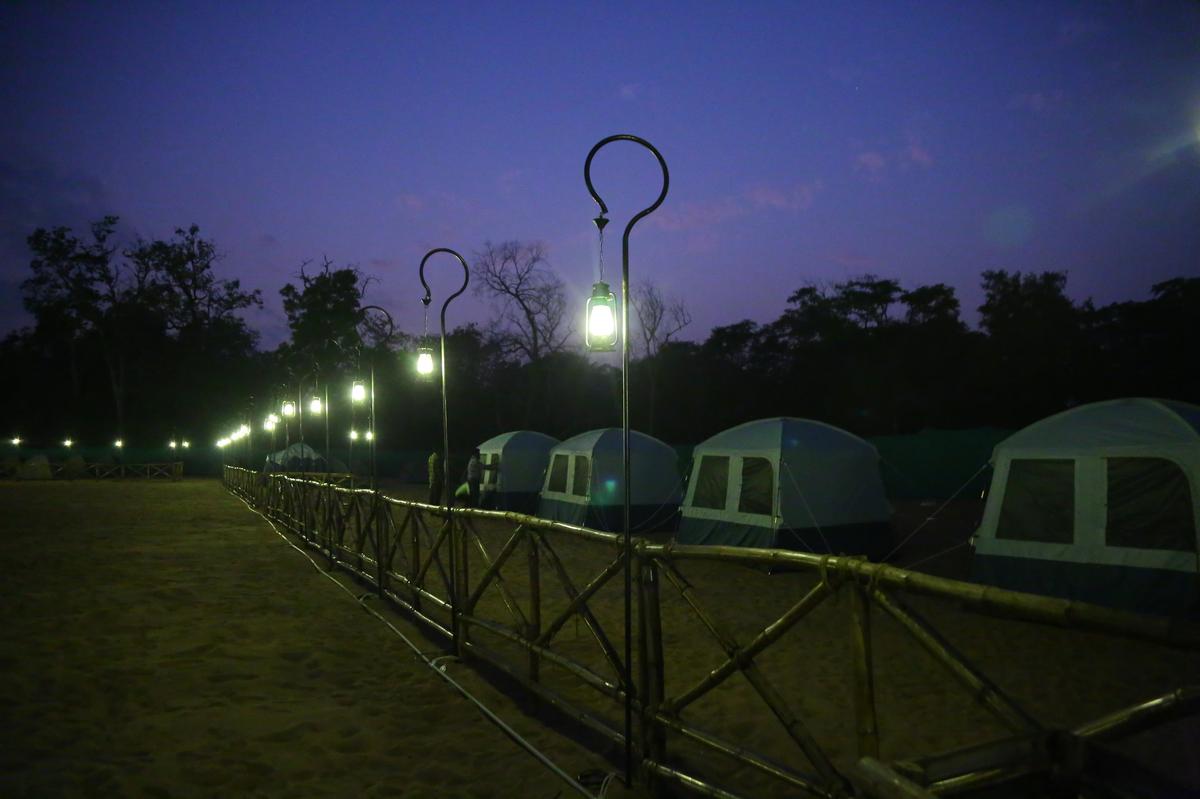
(425, 362)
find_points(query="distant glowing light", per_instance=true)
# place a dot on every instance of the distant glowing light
(171, 444)
(289, 408)
(118, 443)
(244, 429)
(16, 441)
(314, 405)
(354, 435)
(268, 425)
(274, 419)
(358, 391)
(425, 361)
(370, 436)
(186, 443)
(67, 442)
(223, 443)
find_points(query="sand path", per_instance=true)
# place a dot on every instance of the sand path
(160, 640)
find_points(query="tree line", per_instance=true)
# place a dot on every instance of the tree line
(145, 341)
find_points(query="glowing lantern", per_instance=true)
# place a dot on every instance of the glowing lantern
(425, 362)
(358, 391)
(601, 331)
(314, 405)
(289, 408)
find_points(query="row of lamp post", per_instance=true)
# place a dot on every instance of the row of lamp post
(602, 334)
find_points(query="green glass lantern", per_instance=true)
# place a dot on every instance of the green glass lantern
(425, 363)
(601, 329)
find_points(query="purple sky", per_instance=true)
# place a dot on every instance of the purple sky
(806, 141)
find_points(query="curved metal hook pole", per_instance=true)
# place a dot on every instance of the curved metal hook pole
(447, 491)
(371, 425)
(601, 221)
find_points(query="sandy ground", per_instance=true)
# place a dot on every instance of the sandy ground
(159, 640)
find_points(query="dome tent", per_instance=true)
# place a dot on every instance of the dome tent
(583, 483)
(518, 462)
(789, 483)
(298, 457)
(1098, 503)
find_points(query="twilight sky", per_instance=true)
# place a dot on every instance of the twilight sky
(807, 141)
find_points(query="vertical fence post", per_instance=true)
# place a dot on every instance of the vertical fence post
(460, 584)
(535, 605)
(650, 658)
(864, 676)
(382, 516)
(414, 528)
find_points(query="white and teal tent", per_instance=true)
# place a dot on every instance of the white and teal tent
(584, 482)
(1098, 503)
(517, 464)
(789, 483)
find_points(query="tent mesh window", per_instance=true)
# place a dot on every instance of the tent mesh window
(1149, 505)
(1039, 502)
(582, 476)
(758, 480)
(558, 475)
(711, 482)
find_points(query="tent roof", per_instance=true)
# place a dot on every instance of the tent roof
(1135, 421)
(784, 433)
(519, 439)
(609, 438)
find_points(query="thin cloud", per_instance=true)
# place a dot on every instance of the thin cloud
(695, 216)
(1036, 102)
(1073, 31)
(853, 261)
(796, 198)
(915, 153)
(508, 180)
(410, 202)
(871, 163)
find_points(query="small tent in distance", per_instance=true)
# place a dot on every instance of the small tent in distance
(516, 465)
(584, 484)
(1098, 503)
(789, 483)
(299, 457)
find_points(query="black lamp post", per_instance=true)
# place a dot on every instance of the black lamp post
(288, 410)
(600, 337)
(447, 491)
(369, 393)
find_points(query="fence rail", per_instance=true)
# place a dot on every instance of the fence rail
(514, 613)
(103, 471)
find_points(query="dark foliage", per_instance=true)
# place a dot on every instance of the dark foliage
(149, 342)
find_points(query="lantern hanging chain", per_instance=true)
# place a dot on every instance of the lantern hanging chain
(425, 335)
(601, 230)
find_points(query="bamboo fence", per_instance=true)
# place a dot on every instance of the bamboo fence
(112, 471)
(402, 550)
